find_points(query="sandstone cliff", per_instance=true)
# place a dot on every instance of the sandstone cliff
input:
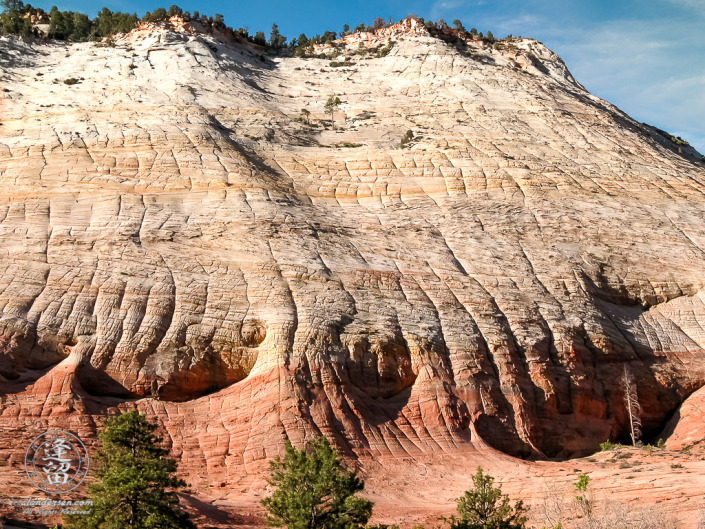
(176, 237)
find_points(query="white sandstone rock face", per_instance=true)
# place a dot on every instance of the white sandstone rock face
(172, 220)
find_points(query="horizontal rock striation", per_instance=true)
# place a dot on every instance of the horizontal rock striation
(176, 236)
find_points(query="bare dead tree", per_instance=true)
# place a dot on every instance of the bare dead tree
(613, 514)
(551, 505)
(631, 401)
(701, 517)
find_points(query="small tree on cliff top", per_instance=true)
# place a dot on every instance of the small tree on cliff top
(314, 491)
(276, 39)
(484, 507)
(136, 487)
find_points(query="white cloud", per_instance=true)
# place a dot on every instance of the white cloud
(651, 64)
(647, 69)
(442, 8)
(691, 4)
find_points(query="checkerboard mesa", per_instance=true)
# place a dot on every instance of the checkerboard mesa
(175, 234)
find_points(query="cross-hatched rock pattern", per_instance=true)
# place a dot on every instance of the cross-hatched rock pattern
(178, 236)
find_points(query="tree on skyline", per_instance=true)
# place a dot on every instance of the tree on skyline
(379, 23)
(276, 39)
(13, 19)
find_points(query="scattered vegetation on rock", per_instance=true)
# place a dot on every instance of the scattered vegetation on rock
(338, 64)
(24, 19)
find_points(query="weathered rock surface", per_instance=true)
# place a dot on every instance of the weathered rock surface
(175, 237)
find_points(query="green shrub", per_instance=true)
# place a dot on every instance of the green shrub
(338, 64)
(607, 446)
(583, 500)
(383, 52)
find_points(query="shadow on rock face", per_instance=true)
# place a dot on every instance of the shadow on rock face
(190, 371)
(99, 383)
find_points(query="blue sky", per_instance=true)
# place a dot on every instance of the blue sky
(645, 56)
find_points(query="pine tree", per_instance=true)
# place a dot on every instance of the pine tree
(135, 488)
(276, 39)
(484, 507)
(56, 24)
(314, 491)
(104, 21)
(328, 36)
(332, 103)
(81, 27)
(175, 10)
